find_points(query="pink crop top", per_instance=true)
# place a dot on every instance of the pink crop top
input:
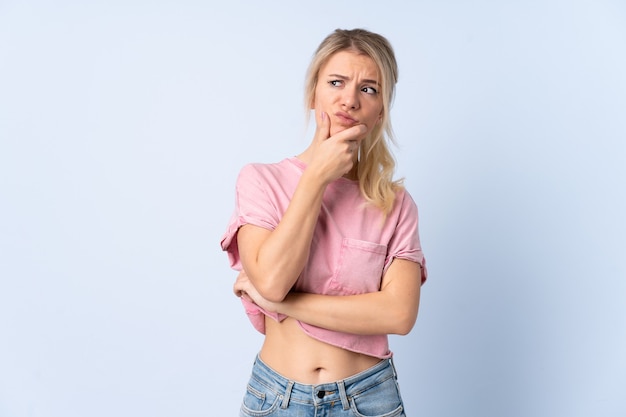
(352, 247)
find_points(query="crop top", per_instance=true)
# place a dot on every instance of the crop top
(353, 243)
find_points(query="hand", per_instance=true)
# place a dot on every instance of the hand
(334, 156)
(243, 288)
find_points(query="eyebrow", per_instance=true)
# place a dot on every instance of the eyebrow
(343, 77)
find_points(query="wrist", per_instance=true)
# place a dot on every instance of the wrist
(314, 180)
(285, 306)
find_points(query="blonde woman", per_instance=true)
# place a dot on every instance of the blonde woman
(328, 248)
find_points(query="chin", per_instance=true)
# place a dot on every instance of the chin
(336, 129)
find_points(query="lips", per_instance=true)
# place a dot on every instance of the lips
(345, 119)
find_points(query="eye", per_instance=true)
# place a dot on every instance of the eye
(369, 90)
(335, 83)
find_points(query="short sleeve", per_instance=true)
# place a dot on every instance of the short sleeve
(252, 206)
(405, 241)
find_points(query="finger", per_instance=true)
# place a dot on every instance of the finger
(238, 286)
(353, 146)
(322, 132)
(353, 133)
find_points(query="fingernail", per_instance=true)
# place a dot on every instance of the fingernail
(324, 116)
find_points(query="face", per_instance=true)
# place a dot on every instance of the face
(348, 90)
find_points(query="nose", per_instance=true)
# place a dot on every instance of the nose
(350, 99)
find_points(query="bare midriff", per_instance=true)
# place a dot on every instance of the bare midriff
(300, 358)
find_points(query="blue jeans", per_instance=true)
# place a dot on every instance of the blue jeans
(372, 393)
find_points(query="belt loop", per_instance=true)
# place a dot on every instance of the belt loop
(287, 396)
(393, 368)
(343, 395)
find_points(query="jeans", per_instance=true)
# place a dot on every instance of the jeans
(371, 393)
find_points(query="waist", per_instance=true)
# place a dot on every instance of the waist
(301, 357)
(328, 391)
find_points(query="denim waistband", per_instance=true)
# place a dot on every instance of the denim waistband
(322, 393)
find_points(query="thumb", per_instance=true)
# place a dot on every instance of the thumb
(322, 132)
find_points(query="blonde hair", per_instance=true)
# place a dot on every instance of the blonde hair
(376, 164)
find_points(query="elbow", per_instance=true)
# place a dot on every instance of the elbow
(273, 296)
(404, 323)
(403, 329)
(272, 292)
(268, 285)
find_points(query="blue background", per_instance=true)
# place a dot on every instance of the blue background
(123, 125)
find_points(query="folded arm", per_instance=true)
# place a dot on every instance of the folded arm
(392, 310)
(275, 258)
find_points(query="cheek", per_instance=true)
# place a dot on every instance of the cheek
(371, 123)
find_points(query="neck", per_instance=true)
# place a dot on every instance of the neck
(353, 174)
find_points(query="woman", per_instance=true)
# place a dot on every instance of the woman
(328, 246)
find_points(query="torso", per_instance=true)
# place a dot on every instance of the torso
(299, 357)
(348, 255)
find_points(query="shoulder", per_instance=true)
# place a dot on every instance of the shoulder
(404, 201)
(260, 170)
(404, 212)
(279, 178)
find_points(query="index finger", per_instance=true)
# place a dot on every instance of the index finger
(353, 133)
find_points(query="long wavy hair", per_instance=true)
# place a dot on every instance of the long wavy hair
(376, 164)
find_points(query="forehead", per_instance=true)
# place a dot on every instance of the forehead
(350, 62)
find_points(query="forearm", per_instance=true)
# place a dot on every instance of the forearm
(371, 313)
(392, 310)
(283, 252)
(275, 259)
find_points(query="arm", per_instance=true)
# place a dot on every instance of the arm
(392, 310)
(273, 259)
